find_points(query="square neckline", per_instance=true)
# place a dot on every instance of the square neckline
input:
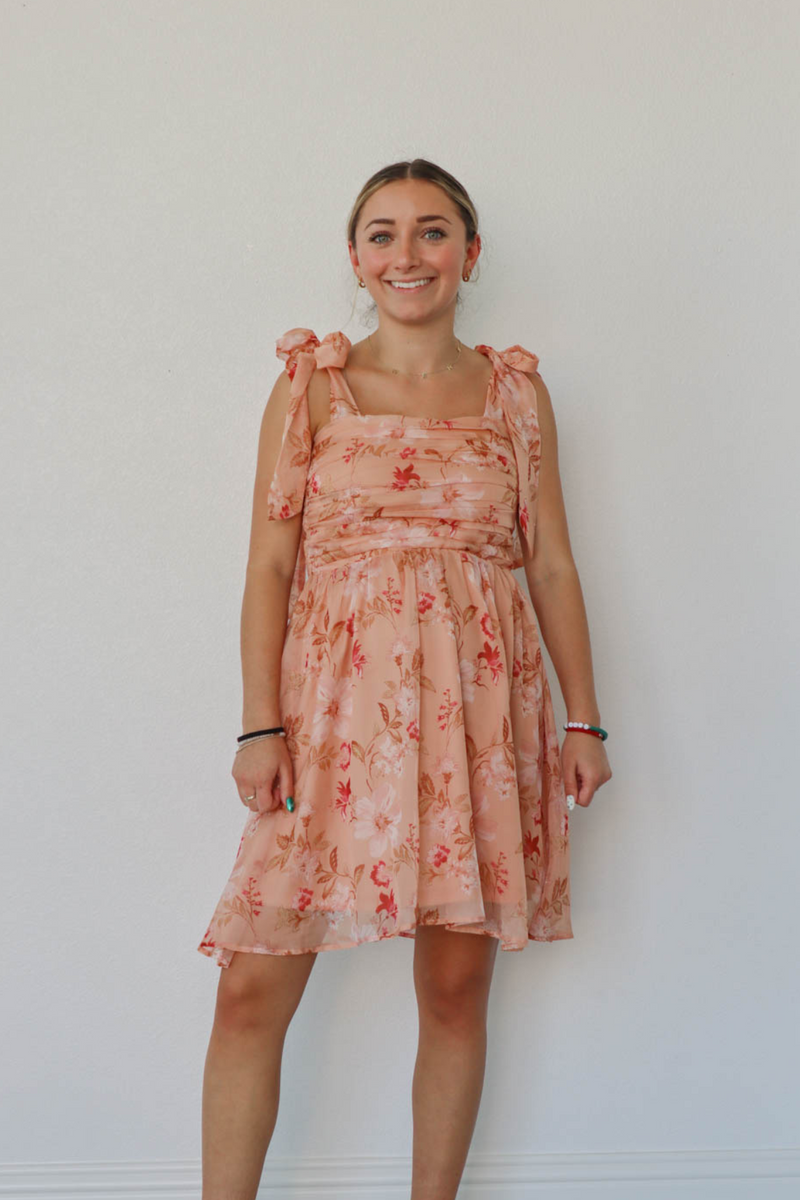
(359, 415)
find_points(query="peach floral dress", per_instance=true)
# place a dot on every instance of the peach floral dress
(427, 773)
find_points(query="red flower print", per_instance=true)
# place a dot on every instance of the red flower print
(379, 875)
(530, 845)
(402, 478)
(359, 659)
(388, 905)
(302, 899)
(491, 656)
(439, 855)
(343, 797)
(252, 896)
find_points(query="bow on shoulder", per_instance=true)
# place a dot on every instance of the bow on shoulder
(517, 398)
(302, 352)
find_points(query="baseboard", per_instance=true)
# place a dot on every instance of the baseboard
(749, 1174)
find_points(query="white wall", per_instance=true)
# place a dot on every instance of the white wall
(176, 182)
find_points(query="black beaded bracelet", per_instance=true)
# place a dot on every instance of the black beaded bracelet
(260, 733)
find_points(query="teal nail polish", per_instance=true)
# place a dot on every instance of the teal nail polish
(290, 803)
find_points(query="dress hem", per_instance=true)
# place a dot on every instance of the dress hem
(223, 953)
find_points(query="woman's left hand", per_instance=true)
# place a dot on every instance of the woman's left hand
(585, 765)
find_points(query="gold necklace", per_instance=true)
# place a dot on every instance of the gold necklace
(420, 374)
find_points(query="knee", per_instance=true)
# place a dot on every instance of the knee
(455, 999)
(245, 1005)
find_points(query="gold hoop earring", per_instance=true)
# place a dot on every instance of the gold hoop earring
(465, 278)
(361, 283)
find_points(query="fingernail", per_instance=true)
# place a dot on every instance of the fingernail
(570, 801)
(290, 803)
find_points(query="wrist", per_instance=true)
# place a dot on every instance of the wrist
(260, 720)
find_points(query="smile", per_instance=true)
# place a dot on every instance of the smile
(412, 286)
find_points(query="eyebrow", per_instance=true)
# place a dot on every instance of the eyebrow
(389, 221)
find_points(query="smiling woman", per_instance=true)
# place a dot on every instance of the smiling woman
(405, 706)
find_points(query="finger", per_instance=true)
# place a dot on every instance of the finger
(287, 782)
(570, 787)
(248, 800)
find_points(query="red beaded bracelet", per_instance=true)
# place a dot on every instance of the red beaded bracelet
(584, 728)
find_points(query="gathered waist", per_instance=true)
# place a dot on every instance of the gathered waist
(322, 563)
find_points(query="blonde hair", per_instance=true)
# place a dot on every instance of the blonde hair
(416, 168)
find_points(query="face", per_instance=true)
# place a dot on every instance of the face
(394, 243)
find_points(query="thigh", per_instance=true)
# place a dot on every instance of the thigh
(450, 964)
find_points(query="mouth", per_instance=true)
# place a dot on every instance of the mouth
(410, 285)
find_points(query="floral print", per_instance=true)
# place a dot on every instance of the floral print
(418, 714)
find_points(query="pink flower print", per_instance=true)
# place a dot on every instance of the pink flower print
(407, 452)
(388, 759)
(412, 729)
(466, 874)
(405, 700)
(491, 656)
(350, 623)
(399, 647)
(499, 775)
(484, 822)
(438, 855)
(446, 766)
(469, 673)
(532, 695)
(527, 767)
(359, 658)
(334, 707)
(379, 875)
(444, 824)
(306, 862)
(345, 757)
(377, 819)
(338, 899)
(425, 601)
(301, 899)
(403, 477)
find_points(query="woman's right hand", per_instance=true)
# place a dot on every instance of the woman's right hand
(264, 770)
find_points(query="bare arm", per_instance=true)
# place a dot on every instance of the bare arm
(553, 580)
(270, 566)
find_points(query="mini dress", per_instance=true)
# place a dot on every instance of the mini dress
(428, 782)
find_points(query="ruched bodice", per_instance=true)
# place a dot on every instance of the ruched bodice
(372, 483)
(417, 709)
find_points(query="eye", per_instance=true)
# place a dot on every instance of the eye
(433, 229)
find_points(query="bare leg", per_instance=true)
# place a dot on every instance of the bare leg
(256, 999)
(452, 977)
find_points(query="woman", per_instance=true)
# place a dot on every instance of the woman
(399, 754)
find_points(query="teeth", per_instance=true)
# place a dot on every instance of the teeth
(415, 284)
